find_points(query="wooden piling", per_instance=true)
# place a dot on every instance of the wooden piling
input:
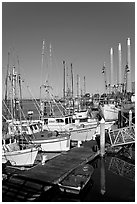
(102, 137)
(130, 118)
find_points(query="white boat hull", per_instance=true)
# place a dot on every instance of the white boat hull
(57, 144)
(83, 133)
(24, 157)
(110, 112)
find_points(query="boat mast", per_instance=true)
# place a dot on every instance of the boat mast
(84, 86)
(13, 92)
(105, 76)
(6, 80)
(20, 88)
(77, 86)
(6, 84)
(72, 79)
(42, 54)
(64, 81)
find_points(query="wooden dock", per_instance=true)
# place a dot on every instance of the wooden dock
(56, 169)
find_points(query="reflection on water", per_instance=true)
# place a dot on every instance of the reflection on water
(122, 168)
(102, 176)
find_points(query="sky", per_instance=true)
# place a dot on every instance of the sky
(80, 33)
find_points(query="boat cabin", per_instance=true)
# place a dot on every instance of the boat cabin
(57, 123)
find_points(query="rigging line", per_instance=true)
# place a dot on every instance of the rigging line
(31, 93)
(35, 102)
(7, 109)
(38, 106)
(60, 103)
(4, 117)
(56, 104)
(22, 111)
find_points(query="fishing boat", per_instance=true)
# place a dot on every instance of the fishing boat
(17, 152)
(50, 141)
(110, 111)
(15, 147)
(81, 129)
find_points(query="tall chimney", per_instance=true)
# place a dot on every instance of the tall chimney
(120, 66)
(111, 69)
(129, 89)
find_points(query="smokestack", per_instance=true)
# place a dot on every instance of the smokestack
(120, 66)
(129, 89)
(111, 69)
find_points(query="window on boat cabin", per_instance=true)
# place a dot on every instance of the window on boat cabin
(66, 120)
(59, 120)
(83, 120)
(70, 120)
(73, 120)
(7, 141)
(45, 121)
(51, 121)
